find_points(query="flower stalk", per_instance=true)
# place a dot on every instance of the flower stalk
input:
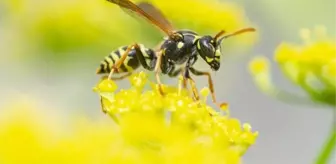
(328, 148)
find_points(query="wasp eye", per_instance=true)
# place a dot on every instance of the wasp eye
(212, 47)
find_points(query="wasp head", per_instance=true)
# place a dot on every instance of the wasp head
(209, 50)
(209, 47)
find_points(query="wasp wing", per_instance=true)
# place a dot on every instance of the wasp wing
(148, 11)
(156, 14)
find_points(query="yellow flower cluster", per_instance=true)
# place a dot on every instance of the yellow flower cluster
(174, 128)
(68, 25)
(311, 65)
(151, 129)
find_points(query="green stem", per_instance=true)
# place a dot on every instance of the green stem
(328, 148)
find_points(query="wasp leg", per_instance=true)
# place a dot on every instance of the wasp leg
(183, 81)
(142, 59)
(101, 98)
(116, 66)
(210, 82)
(157, 71)
(175, 72)
(194, 88)
(102, 105)
(117, 78)
(192, 84)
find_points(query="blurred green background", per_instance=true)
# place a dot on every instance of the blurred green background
(51, 49)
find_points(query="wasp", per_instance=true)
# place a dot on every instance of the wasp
(174, 56)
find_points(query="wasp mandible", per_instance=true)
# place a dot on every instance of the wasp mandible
(175, 56)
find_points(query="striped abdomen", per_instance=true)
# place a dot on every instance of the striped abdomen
(131, 62)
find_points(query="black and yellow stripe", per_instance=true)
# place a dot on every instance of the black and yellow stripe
(133, 60)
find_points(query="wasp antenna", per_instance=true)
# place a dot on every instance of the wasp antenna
(250, 29)
(218, 35)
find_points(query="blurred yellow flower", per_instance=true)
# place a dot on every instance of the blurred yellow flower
(62, 25)
(29, 135)
(310, 66)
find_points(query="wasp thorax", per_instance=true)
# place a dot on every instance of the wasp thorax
(209, 51)
(177, 51)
